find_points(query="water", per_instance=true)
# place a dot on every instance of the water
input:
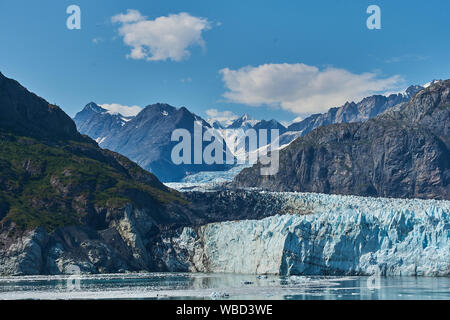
(221, 286)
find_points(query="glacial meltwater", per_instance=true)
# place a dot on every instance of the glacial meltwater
(222, 286)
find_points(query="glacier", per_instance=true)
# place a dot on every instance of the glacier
(339, 235)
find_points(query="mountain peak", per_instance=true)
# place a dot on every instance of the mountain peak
(159, 109)
(245, 122)
(25, 113)
(412, 90)
(433, 82)
(92, 106)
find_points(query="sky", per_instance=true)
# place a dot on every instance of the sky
(221, 59)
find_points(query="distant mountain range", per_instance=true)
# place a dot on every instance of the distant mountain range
(403, 152)
(367, 108)
(146, 137)
(235, 134)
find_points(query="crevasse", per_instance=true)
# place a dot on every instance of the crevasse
(341, 235)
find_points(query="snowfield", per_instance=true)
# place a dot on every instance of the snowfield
(343, 235)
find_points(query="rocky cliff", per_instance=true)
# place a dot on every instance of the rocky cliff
(401, 153)
(363, 110)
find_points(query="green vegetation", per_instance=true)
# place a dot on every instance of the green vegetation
(56, 184)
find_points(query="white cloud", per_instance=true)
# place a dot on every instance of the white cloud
(300, 88)
(166, 37)
(224, 117)
(129, 17)
(127, 111)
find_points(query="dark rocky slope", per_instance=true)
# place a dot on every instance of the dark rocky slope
(401, 153)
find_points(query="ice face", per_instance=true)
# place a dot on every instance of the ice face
(343, 235)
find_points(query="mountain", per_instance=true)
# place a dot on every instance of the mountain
(403, 153)
(67, 206)
(146, 138)
(215, 124)
(366, 109)
(97, 122)
(63, 199)
(244, 122)
(235, 134)
(44, 120)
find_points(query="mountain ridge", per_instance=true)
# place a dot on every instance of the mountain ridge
(400, 153)
(146, 137)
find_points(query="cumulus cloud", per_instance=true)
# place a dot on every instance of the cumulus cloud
(166, 37)
(127, 111)
(224, 117)
(300, 88)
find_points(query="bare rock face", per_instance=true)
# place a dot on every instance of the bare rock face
(403, 153)
(23, 255)
(125, 244)
(365, 109)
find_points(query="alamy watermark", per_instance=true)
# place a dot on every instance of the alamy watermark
(74, 20)
(73, 282)
(254, 143)
(374, 20)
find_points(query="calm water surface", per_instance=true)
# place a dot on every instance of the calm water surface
(220, 286)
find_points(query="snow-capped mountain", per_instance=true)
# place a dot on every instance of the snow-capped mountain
(403, 152)
(365, 109)
(99, 123)
(426, 85)
(244, 122)
(146, 137)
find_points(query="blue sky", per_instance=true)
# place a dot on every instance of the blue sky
(259, 57)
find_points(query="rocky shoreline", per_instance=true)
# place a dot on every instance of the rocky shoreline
(288, 234)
